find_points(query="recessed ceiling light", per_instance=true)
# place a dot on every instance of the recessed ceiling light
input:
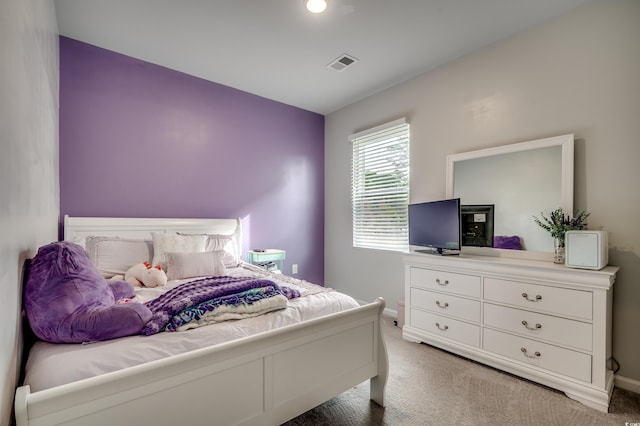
(316, 6)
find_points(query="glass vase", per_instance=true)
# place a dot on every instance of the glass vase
(558, 250)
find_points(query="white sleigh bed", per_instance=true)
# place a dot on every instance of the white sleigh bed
(259, 379)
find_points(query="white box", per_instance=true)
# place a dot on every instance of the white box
(586, 249)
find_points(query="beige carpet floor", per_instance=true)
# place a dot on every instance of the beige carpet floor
(428, 386)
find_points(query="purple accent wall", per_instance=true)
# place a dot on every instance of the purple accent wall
(140, 140)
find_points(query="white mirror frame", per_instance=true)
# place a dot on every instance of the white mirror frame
(566, 194)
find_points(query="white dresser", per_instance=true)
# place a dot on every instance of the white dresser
(538, 320)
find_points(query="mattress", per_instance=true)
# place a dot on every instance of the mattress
(54, 364)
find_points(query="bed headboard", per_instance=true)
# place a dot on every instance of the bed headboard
(77, 229)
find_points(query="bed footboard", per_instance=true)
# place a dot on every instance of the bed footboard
(263, 379)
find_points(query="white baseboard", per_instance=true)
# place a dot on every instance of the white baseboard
(387, 311)
(390, 313)
(627, 384)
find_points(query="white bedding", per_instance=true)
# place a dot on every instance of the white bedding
(51, 365)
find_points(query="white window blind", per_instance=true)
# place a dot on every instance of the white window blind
(380, 187)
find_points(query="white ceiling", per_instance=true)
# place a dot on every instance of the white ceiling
(278, 50)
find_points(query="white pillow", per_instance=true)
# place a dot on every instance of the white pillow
(226, 243)
(172, 242)
(187, 265)
(114, 255)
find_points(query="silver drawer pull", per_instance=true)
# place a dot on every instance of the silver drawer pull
(442, 305)
(535, 355)
(446, 282)
(537, 299)
(526, 325)
(446, 327)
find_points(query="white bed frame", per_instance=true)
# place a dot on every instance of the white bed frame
(265, 379)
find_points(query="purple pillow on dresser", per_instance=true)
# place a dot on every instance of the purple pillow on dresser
(68, 301)
(509, 243)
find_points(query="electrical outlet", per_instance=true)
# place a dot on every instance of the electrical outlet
(294, 268)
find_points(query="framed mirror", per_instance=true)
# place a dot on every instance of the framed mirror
(520, 181)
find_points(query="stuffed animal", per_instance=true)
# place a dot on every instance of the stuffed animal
(145, 275)
(67, 300)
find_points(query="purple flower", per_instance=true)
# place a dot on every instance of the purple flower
(557, 223)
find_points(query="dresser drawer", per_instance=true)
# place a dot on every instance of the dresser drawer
(540, 326)
(446, 304)
(465, 285)
(560, 360)
(541, 298)
(459, 331)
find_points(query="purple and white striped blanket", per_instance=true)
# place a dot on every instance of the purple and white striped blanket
(210, 289)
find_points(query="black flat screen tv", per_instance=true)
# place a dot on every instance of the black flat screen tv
(436, 225)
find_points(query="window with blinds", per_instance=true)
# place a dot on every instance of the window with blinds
(380, 187)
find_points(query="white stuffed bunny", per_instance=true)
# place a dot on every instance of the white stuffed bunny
(145, 275)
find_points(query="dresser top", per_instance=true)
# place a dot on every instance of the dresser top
(517, 268)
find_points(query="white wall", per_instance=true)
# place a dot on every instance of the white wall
(577, 74)
(29, 191)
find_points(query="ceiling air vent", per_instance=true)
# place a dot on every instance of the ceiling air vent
(342, 62)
